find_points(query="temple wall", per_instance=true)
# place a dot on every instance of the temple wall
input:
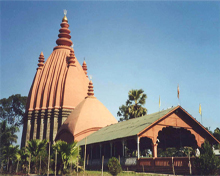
(43, 124)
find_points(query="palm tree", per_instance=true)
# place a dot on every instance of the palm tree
(22, 157)
(134, 105)
(67, 152)
(18, 158)
(7, 133)
(35, 148)
(7, 137)
(9, 154)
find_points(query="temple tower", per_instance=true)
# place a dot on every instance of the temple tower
(59, 85)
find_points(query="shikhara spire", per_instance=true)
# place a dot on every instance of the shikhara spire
(41, 61)
(84, 66)
(64, 36)
(71, 61)
(90, 90)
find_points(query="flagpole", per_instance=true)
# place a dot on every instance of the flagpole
(178, 94)
(159, 103)
(201, 118)
(200, 112)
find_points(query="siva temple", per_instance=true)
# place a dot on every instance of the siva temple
(59, 85)
(61, 106)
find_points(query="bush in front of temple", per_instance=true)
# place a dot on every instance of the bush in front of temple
(114, 166)
(207, 163)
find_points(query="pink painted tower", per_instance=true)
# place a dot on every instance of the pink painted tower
(59, 85)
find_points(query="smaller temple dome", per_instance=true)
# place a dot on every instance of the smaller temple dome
(89, 116)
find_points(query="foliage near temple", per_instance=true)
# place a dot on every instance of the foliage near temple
(133, 107)
(207, 163)
(12, 109)
(114, 166)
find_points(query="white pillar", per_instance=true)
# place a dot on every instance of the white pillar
(138, 149)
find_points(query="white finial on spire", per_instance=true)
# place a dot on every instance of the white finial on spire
(90, 77)
(65, 12)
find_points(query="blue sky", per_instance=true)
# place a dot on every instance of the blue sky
(127, 45)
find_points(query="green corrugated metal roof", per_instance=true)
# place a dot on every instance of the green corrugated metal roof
(124, 129)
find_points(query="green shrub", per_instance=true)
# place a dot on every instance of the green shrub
(207, 163)
(114, 166)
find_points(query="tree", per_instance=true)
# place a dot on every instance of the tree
(66, 153)
(9, 154)
(36, 148)
(133, 107)
(7, 134)
(7, 137)
(207, 163)
(216, 134)
(12, 109)
(22, 157)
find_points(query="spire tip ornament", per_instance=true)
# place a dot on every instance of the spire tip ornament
(65, 12)
(65, 18)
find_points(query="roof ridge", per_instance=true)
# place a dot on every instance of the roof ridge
(149, 114)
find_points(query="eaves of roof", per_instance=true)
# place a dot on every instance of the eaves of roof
(125, 129)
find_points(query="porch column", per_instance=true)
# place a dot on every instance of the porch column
(123, 147)
(114, 149)
(111, 149)
(100, 147)
(91, 151)
(138, 149)
(154, 146)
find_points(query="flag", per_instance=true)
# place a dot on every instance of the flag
(159, 101)
(178, 91)
(200, 109)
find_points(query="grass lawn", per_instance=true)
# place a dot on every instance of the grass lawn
(124, 173)
(99, 173)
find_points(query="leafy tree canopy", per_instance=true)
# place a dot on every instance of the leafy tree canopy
(133, 107)
(12, 109)
(66, 153)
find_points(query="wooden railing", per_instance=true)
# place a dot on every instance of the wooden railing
(166, 165)
(172, 165)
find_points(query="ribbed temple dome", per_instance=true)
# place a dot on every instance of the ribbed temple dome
(89, 116)
(57, 84)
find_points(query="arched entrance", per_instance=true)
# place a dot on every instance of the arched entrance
(172, 141)
(145, 147)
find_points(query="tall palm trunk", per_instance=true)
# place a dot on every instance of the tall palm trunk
(17, 166)
(2, 166)
(8, 164)
(35, 164)
(40, 166)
